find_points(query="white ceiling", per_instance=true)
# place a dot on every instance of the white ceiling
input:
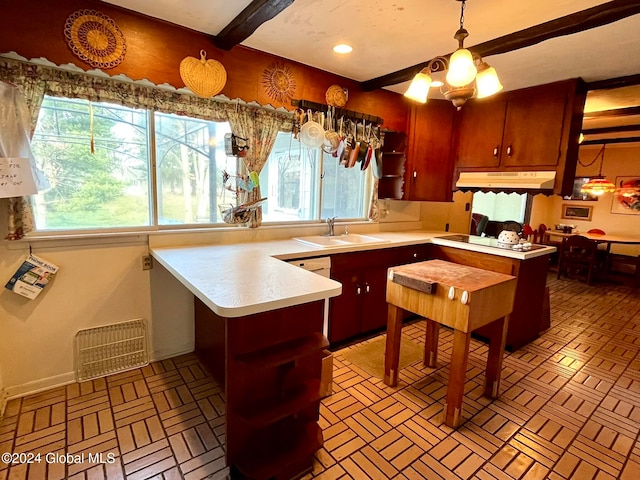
(389, 35)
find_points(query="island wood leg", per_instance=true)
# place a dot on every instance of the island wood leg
(431, 344)
(392, 350)
(457, 374)
(497, 339)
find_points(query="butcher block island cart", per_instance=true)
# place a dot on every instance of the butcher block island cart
(461, 298)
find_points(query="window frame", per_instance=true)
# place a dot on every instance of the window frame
(153, 192)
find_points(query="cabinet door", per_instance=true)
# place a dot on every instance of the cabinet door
(480, 125)
(345, 310)
(430, 162)
(533, 129)
(374, 299)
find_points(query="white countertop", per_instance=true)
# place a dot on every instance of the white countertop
(248, 278)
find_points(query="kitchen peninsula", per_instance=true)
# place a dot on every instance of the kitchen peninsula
(259, 330)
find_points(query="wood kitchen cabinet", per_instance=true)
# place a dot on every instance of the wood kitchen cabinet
(430, 160)
(531, 129)
(391, 184)
(362, 307)
(270, 366)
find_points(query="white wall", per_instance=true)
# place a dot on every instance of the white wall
(456, 214)
(96, 285)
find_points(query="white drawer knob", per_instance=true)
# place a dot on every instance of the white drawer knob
(452, 293)
(465, 297)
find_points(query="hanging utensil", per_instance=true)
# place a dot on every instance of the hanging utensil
(311, 133)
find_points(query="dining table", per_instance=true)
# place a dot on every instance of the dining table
(605, 238)
(600, 238)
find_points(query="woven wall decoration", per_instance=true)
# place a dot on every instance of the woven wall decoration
(203, 77)
(337, 96)
(95, 38)
(278, 82)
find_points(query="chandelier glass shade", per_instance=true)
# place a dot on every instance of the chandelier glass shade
(467, 75)
(598, 185)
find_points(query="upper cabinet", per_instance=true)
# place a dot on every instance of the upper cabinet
(429, 158)
(531, 129)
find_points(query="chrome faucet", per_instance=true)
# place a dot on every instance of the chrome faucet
(331, 221)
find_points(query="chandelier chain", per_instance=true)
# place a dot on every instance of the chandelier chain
(595, 159)
(462, 7)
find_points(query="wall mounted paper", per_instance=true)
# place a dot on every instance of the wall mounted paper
(16, 178)
(32, 276)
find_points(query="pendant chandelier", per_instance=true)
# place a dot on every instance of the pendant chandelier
(467, 75)
(599, 184)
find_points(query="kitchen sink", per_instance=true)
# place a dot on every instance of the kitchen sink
(339, 240)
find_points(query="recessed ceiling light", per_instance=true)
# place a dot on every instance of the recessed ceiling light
(343, 48)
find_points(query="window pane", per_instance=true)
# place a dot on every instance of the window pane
(105, 189)
(190, 160)
(345, 191)
(290, 181)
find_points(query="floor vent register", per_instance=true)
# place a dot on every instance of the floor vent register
(110, 349)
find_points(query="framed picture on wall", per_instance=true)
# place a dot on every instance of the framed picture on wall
(627, 204)
(577, 212)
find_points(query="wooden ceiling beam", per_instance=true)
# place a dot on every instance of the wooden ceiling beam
(618, 82)
(597, 16)
(611, 140)
(247, 21)
(618, 129)
(618, 112)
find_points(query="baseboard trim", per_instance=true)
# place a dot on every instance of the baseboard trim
(37, 386)
(3, 402)
(41, 385)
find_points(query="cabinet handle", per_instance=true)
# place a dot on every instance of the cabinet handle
(358, 290)
(495, 151)
(509, 150)
(366, 287)
(415, 174)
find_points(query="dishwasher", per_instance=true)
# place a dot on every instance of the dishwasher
(321, 266)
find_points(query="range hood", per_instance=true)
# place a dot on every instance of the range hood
(508, 180)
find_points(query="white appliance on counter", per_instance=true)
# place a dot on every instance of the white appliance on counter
(319, 266)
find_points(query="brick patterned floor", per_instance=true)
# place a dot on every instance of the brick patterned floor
(569, 409)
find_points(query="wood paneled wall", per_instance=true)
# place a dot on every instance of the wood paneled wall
(35, 28)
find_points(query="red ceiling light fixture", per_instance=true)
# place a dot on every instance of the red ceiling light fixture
(467, 75)
(597, 185)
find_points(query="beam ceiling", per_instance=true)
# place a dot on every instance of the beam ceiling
(577, 22)
(247, 21)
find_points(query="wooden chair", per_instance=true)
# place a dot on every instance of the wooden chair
(579, 258)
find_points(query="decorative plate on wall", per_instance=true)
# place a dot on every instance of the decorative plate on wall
(278, 82)
(95, 38)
